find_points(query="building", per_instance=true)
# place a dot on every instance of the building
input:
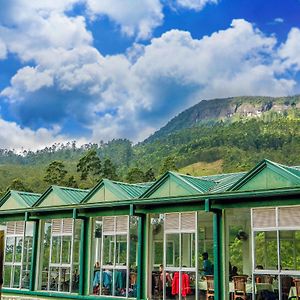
(109, 242)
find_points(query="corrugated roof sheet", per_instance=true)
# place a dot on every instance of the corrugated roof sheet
(72, 195)
(132, 190)
(29, 198)
(225, 181)
(199, 183)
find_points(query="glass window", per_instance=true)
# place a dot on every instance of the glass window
(266, 254)
(60, 262)
(290, 250)
(115, 256)
(18, 254)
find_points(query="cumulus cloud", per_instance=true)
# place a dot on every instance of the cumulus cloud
(14, 137)
(135, 17)
(132, 94)
(290, 50)
(194, 4)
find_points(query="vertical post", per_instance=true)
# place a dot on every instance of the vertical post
(34, 259)
(83, 258)
(142, 262)
(217, 219)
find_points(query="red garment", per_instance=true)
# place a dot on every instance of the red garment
(185, 284)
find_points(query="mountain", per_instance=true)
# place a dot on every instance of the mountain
(213, 136)
(227, 109)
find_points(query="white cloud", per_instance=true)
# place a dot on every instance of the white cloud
(133, 94)
(290, 50)
(278, 20)
(195, 4)
(14, 137)
(135, 17)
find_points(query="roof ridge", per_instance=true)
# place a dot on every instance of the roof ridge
(70, 188)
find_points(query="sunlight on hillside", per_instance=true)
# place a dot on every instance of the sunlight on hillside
(203, 168)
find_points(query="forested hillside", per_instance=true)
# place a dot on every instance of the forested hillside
(264, 128)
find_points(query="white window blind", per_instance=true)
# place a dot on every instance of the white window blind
(264, 217)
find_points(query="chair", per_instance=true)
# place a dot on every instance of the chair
(210, 290)
(286, 283)
(239, 283)
(297, 286)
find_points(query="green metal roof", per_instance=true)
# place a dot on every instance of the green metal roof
(121, 190)
(62, 196)
(29, 198)
(18, 199)
(225, 181)
(133, 190)
(200, 183)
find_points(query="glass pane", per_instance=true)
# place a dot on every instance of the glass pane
(172, 250)
(44, 283)
(287, 288)
(266, 250)
(54, 279)
(9, 250)
(45, 254)
(120, 282)
(56, 248)
(121, 250)
(266, 286)
(188, 250)
(132, 292)
(66, 249)
(64, 280)
(16, 275)
(108, 250)
(106, 284)
(133, 243)
(75, 278)
(290, 250)
(96, 282)
(158, 252)
(7, 276)
(18, 250)
(25, 279)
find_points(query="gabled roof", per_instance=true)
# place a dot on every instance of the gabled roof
(114, 190)
(268, 175)
(175, 184)
(18, 200)
(57, 195)
(224, 181)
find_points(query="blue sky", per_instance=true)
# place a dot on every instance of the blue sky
(95, 70)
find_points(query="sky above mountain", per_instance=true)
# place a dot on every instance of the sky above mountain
(95, 70)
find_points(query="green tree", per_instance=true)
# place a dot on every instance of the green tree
(71, 182)
(18, 185)
(149, 175)
(135, 175)
(55, 173)
(89, 166)
(169, 164)
(109, 170)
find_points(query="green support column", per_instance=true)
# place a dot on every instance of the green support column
(142, 261)
(34, 260)
(218, 270)
(84, 257)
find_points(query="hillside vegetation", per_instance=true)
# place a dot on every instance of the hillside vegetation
(223, 141)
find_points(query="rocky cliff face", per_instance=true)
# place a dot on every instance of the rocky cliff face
(226, 109)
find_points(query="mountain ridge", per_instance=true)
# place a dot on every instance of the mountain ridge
(226, 109)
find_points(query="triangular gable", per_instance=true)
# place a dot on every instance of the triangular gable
(52, 197)
(17, 200)
(267, 175)
(11, 200)
(105, 190)
(169, 185)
